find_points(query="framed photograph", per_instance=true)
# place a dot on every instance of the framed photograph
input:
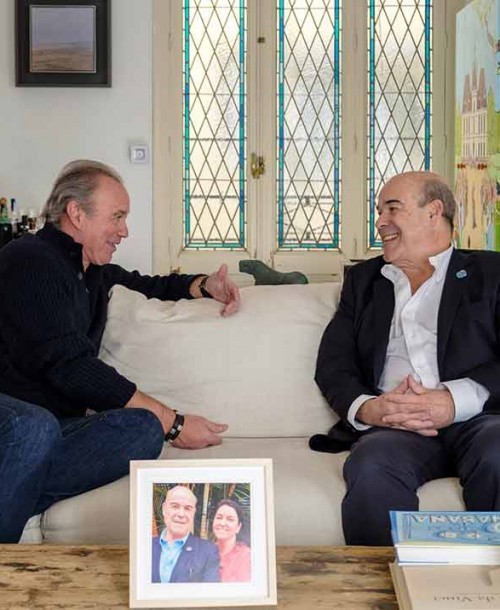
(202, 533)
(63, 43)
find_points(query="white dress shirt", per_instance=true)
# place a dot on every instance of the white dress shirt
(412, 347)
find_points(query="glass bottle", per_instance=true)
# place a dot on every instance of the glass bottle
(5, 226)
(14, 218)
(32, 221)
(23, 223)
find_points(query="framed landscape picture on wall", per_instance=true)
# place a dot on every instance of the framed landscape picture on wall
(201, 533)
(65, 43)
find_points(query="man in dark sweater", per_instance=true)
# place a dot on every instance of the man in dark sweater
(53, 306)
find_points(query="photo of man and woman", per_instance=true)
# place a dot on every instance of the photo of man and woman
(201, 533)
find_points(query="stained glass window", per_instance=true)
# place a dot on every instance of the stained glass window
(214, 112)
(308, 124)
(308, 121)
(399, 89)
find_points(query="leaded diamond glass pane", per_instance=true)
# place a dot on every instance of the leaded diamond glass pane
(308, 124)
(399, 112)
(214, 123)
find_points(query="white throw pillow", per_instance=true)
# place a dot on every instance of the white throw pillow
(254, 370)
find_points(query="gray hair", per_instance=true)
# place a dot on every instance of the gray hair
(434, 187)
(77, 181)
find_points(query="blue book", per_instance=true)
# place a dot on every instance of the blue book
(446, 537)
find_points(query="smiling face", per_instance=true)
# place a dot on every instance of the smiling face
(179, 509)
(410, 233)
(226, 524)
(101, 231)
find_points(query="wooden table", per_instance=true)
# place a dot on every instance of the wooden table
(309, 578)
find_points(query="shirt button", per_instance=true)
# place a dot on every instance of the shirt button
(80, 275)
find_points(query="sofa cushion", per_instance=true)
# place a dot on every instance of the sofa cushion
(308, 491)
(254, 370)
(32, 533)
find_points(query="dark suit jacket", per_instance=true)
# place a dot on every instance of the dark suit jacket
(353, 348)
(198, 561)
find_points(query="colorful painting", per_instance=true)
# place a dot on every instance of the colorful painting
(477, 126)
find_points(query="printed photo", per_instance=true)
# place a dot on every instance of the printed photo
(201, 532)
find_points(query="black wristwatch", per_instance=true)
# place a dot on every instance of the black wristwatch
(202, 288)
(176, 427)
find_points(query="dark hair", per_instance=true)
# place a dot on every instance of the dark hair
(235, 506)
(244, 534)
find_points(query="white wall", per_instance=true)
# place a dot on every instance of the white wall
(42, 128)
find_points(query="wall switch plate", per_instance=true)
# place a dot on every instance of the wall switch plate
(139, 153)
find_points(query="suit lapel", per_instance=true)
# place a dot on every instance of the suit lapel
(455, 282)
(183, 569)
(383, 306)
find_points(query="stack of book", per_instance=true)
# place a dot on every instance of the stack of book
(446, 560)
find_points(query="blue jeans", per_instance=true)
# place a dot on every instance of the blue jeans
(44, 459)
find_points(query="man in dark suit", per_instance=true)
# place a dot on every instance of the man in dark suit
(411, 364)
(177, 555)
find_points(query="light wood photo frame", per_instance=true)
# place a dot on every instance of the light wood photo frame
(202, 533)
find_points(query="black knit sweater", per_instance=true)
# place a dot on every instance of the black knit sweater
(52, 317)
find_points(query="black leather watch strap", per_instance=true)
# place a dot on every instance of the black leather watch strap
(176, 428)
(202, 288)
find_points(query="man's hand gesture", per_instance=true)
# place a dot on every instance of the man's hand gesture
(198, 433)
(224, 290)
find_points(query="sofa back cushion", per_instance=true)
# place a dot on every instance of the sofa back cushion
(253, 371)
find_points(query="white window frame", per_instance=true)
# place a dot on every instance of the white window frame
(169, 254)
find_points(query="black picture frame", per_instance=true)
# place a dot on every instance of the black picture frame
(63, 43)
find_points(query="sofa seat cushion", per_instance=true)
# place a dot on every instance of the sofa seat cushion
(253, 371)
(308, 491)
(32, 533)
(308, 486)
(441, 494)
(100, 516)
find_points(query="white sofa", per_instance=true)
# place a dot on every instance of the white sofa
(253, 371)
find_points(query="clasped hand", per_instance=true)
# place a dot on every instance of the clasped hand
(410, 406)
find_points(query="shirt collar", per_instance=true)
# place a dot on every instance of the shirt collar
(180, 542)
(439, 261)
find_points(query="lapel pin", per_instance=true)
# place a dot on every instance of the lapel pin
(189, 548)
(461, 274)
